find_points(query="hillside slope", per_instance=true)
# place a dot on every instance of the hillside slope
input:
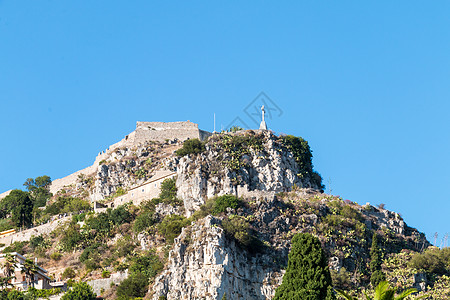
(223, 227)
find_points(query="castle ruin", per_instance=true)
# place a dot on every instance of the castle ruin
(144, 132)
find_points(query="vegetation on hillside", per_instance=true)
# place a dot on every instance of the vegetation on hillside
(92, 246)
(191, 146)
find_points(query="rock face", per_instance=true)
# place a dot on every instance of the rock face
(126, 167)
(205, 264)
(220, 170)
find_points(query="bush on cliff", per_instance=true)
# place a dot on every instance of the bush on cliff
(80, 291)
(238, 228)
(217, 205)
(171, 227)
(433, 260)
(307, 275)
(191, 146)
(221, 203)
(303, 156)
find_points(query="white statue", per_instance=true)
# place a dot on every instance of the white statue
(263, 124)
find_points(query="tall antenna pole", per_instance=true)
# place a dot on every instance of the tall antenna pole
(214, 122)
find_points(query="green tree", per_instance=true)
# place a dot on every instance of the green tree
(21, 207)
(39, 189)
(29, 269)
(377, 275)
(9, 265)
(80, 291)
(135, 285)
(307, 276)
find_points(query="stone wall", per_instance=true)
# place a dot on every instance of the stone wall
(105, 283)
(161, 131)
(25, 235)
(147, 191)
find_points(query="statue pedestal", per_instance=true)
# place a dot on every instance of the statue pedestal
(263, 125)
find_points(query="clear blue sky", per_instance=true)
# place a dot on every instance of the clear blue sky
(366, 83)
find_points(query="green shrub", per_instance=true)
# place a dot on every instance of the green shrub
(168, 189)
(135, 285)
(71, 237)
(147, 264)
(6, 224)
(235, 129)
(238, 228)
(120, 191)
(351, 213)
(120, 215)
(171, 226)
(376, 277)
(16, 247)
(191, 146)
(36, 241)
(100, 225)
(106, 274)
(221, 203)
(56, 256)
(44, 293)
(125, 246)
(217, 205)
(80, 291)
(92, 264)
(143, 221)
(303, 156)
(432, 261)
(68, 273)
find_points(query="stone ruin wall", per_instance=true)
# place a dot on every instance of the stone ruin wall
(144, 132)
(162, 131)
(26, 235)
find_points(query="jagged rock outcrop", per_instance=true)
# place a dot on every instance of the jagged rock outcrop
(126, 167)
(205, 264)
(264, 164)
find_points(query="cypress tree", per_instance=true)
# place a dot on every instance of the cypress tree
(307, 276)
(377, 275)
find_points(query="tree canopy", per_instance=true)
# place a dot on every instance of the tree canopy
(307, 276)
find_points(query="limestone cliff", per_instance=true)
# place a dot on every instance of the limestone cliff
(205, 264)
(242, 164)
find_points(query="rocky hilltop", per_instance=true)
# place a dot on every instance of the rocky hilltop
(224, 225)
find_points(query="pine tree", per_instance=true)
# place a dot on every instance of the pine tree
(307, 276)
